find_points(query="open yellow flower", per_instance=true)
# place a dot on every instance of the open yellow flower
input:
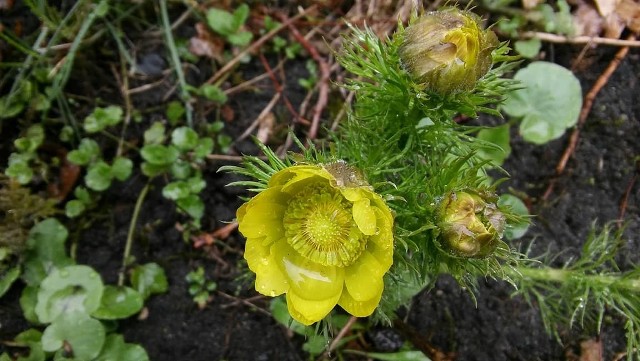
(320, 235)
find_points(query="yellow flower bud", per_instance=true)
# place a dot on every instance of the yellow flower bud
(470, 227)
(322, 236)
(447, 51)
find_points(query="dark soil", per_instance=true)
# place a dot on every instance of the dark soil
(234, 325)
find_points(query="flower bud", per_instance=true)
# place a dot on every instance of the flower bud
(447, 51)
(470, 227)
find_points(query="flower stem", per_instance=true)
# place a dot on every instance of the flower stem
(132, 227)
(558, 275)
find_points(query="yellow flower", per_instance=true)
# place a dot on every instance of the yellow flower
(470, 226)
(320, 235)
(447, 50)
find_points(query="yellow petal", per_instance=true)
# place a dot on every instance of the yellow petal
(270, 281)
(308, 279)
(354, 194)
(364, 216)
(381, 244)
(359, 308)
(309, 311)
(262, 215)
(363, 279)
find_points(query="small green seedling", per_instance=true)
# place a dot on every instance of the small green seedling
(199, 287)
(229, 25)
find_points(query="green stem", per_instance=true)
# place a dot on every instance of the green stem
(132, 227)
(558, 275)
(175, 59)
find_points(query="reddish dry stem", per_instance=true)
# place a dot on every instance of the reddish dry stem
(584, 113)
(279, 89)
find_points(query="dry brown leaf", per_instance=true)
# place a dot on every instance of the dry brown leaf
(613, 26)
(606, 7)
(265, 127)
(629, 12)
(6, 4)
(591, 350)
(587, 21)
(206, 44)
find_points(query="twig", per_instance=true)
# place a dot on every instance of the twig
(584, 113)
(244, 302)
(341, 334)
(553, 38)
(257, 44)
(625, 197)
(280, 89)
(325, 74)
(132, 228)
(260, 117)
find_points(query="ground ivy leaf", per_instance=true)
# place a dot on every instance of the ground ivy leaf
(118, 302)
(176, 190)
(184, 138)
(196, 184)
(149, 279)
(158, 154)
(213, 93)
(84, 335)
(175, 111)
(222, 22)
(32, 337)
(115, 349)
(549, 102)
(204, 148)
(99, 176)
(46, 250)
(72, 289)
(121, 168)
(498, 147)
(74, 208)
(87, 151)
(8, 278)
(192, 204)
(514, 230)
(101, 118)
(28, 301)
(155, 134)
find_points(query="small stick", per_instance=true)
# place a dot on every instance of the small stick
(625, 197)
(342, 333)
(279, 88)
(553, 38)
(257, 44)
(584, 113)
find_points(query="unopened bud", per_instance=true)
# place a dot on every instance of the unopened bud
(448, 51)
(470, 226)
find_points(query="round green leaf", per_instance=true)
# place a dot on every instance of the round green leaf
(496, 147)
(121, 168)
(549, 102)
(82, 333)
(115, 349)
(99, 176)
(155, 134)
(192, 205)
(514, 230)
(149, 279)
(86, 152)
(74, 208)
(176, 190)
(102, 118)
(46, 250)
(184, 138)
(118, 302)
(204, 148)
(72, 289)
(158, 154)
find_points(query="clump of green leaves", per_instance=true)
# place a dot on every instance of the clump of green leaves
(200, 287)
(22, 162)
(72, 301)
(230, 25)
(180, 155)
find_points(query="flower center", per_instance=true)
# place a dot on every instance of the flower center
(318, 224)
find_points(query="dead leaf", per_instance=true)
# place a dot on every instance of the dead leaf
(587, 21)
(613, 26)
(265, 127)
(606, 7)
(591, 350)
(206, 44)
(227, 113)
(629, 12)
